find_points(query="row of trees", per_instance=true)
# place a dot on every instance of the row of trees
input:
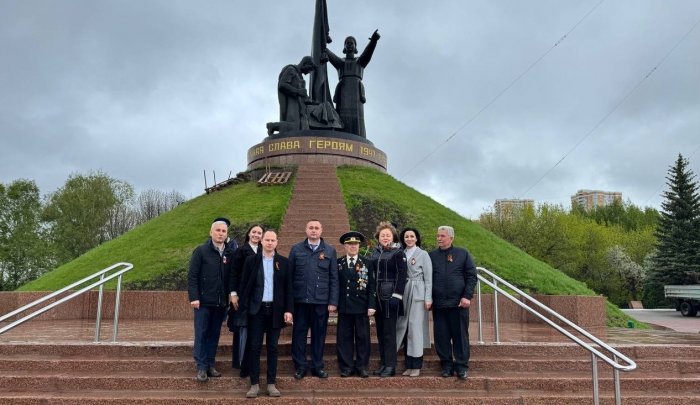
(36, 234)
(621, 251)
(592, 247)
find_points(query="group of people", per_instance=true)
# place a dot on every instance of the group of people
(397, 283)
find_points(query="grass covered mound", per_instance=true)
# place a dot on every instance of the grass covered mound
(161, 248)
(371, 196)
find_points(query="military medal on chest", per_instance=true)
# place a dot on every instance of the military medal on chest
(362, 273)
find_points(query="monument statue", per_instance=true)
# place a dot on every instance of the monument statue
(301, 112)
(291, 92)
(310, 129)
(349, 97)
(297, 110)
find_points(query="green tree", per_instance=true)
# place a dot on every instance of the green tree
(677, 259)
(627, 215)
(79, 213)
(630, 273)
(123, 216)
(579, 243)
(24, 255)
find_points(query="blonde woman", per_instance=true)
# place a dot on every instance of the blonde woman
(390, 265)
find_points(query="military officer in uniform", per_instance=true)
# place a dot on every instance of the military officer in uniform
(356, 303)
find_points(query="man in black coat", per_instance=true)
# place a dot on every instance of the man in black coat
(207, 289)
(266, 303)
(356, 303)
(454, 279)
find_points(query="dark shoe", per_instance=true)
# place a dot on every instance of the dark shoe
(388, 372)
(319, 373)
(377, 372)
(462, 375)
(299, 374)
(447, 373)
(244, 374)
(363, 373)
(202, 376)
(345, 373)
(213, 373)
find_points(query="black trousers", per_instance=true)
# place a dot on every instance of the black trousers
(259, 324)
(451, 327)
(238, 361)
(413, 363)
(386, 335)
(314, 317)
(352, 339)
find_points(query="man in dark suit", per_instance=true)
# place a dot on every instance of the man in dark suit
(356, 303)
(314, 266)
(266, 302)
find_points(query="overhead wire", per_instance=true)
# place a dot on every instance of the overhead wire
(614, 108)
(502, 92)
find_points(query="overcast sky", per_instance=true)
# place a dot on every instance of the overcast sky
(155, 92)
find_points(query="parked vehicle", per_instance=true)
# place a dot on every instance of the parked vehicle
(687, 298)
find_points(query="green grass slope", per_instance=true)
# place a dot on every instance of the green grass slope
(490, 252)
(166, 242)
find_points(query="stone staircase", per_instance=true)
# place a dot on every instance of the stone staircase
(507, 373)
(316, 195)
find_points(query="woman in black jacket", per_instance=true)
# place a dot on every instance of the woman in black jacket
(250, 247)
(390, 265)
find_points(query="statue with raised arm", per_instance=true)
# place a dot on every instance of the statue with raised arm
(349, 94)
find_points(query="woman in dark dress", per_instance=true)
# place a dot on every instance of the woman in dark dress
(250, 247)
(390, 265)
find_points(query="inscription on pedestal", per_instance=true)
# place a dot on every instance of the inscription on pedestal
(319, 146)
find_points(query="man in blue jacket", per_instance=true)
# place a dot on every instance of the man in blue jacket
(315, 288)
(454, 279)
(207, 289)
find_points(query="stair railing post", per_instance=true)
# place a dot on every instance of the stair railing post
(495, 313)
(594, 372)
(98, 321)
(616, 380)
(478, 307)
(117, 302)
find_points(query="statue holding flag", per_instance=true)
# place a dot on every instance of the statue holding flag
(299, 111)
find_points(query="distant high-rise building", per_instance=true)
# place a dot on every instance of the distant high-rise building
(505, 207)
(589, 199)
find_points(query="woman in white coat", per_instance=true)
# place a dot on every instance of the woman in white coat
(412, 328)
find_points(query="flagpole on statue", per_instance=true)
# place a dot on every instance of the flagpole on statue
(320, 38)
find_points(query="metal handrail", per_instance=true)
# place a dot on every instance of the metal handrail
(100, 283)
(595, 353)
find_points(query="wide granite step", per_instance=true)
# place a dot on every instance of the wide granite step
(564, 351)
(431, 364)
(38, 381)
(359, 397)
